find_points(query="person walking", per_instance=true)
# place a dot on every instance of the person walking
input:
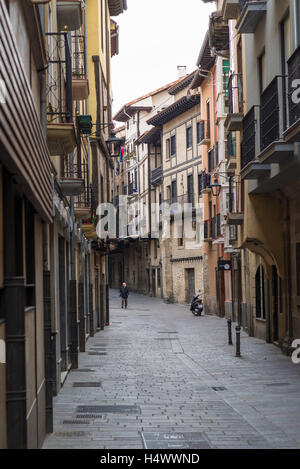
(124, 293)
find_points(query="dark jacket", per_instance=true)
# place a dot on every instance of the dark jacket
(124, 291)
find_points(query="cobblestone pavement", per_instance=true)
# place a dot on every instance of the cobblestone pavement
(180, 386)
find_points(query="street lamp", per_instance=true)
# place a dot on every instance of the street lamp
(113, 140)
(216, 188)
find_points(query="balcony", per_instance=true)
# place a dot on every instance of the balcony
(72, 182)
(203, 136)
(84, 205)
(205, 181)
(69, 14)
(61, 137)
(252, 12)
(234, 120)
(230, 153)
(80, 83)
(293, 131)
(218, 34)
(251, 167)
(157, 176)
(234, 217)
(231, 9)
(132, 191)
(273, 122)
(208, 233)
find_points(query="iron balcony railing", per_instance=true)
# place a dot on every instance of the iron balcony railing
(203, 131)
(79, 65)
(230, 145)
(235, 93)
(87, 200)
(156, 176)
(294, 74)
(243, 4)
(75, 170)
(249, 135)
(207, 230)
(211, 160)
(132, 188)
(273, 112)
(204, 181)
(59, 78)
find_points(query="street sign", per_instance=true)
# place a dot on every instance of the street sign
(224, 265)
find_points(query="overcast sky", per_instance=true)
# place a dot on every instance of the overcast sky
(155, 37)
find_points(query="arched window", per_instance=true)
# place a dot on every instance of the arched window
(260, 293)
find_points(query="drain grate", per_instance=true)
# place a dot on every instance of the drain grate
(108, 409)
(71, 434)
(219, 388)
(166, 338)
(76, 422)
(83, 370)
(188, 440)
(99, 354)
(87, 384)
(89, 416)
(278, 384)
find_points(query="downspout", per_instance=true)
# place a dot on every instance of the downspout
(287, 254)
(43, 92)
(149, 191)
(297, 22)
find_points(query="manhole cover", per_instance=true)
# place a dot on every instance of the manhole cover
(108, 409)
(99, 354)
(76, 422)
(219, 388)
(71, 434)
(187, 440)
(87, 384)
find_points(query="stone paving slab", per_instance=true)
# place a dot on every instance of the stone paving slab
(190, 383)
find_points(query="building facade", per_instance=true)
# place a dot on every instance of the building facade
(53, 275)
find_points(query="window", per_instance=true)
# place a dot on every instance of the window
(199, 136)
(174, 192)
(208, 119)
(226, 73)
(173, 145)
(168, 149)
(189, 137)
(211, 160)
(262, 72)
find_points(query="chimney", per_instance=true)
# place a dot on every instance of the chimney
(181, 70)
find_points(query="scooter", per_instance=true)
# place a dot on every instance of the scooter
(197, 306)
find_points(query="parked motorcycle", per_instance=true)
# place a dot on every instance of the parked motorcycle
(197, 306)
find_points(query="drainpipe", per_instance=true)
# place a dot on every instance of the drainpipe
(297, 22)
(287, 254)
(149, 190)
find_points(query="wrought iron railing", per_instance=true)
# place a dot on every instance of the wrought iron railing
(86, 200)
(211, 160)
(132, 188)
(156, 176)
(235, 93)
(294, 74)
(231, 145)
(59, 78)
(204, 181)
(79, 67)
(249, 138)
(273, 111)
(74, 170)
(203, 131)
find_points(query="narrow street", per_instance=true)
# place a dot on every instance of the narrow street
(159, 377)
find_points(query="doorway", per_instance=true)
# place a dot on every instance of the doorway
(190, 284)
(153, 283)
